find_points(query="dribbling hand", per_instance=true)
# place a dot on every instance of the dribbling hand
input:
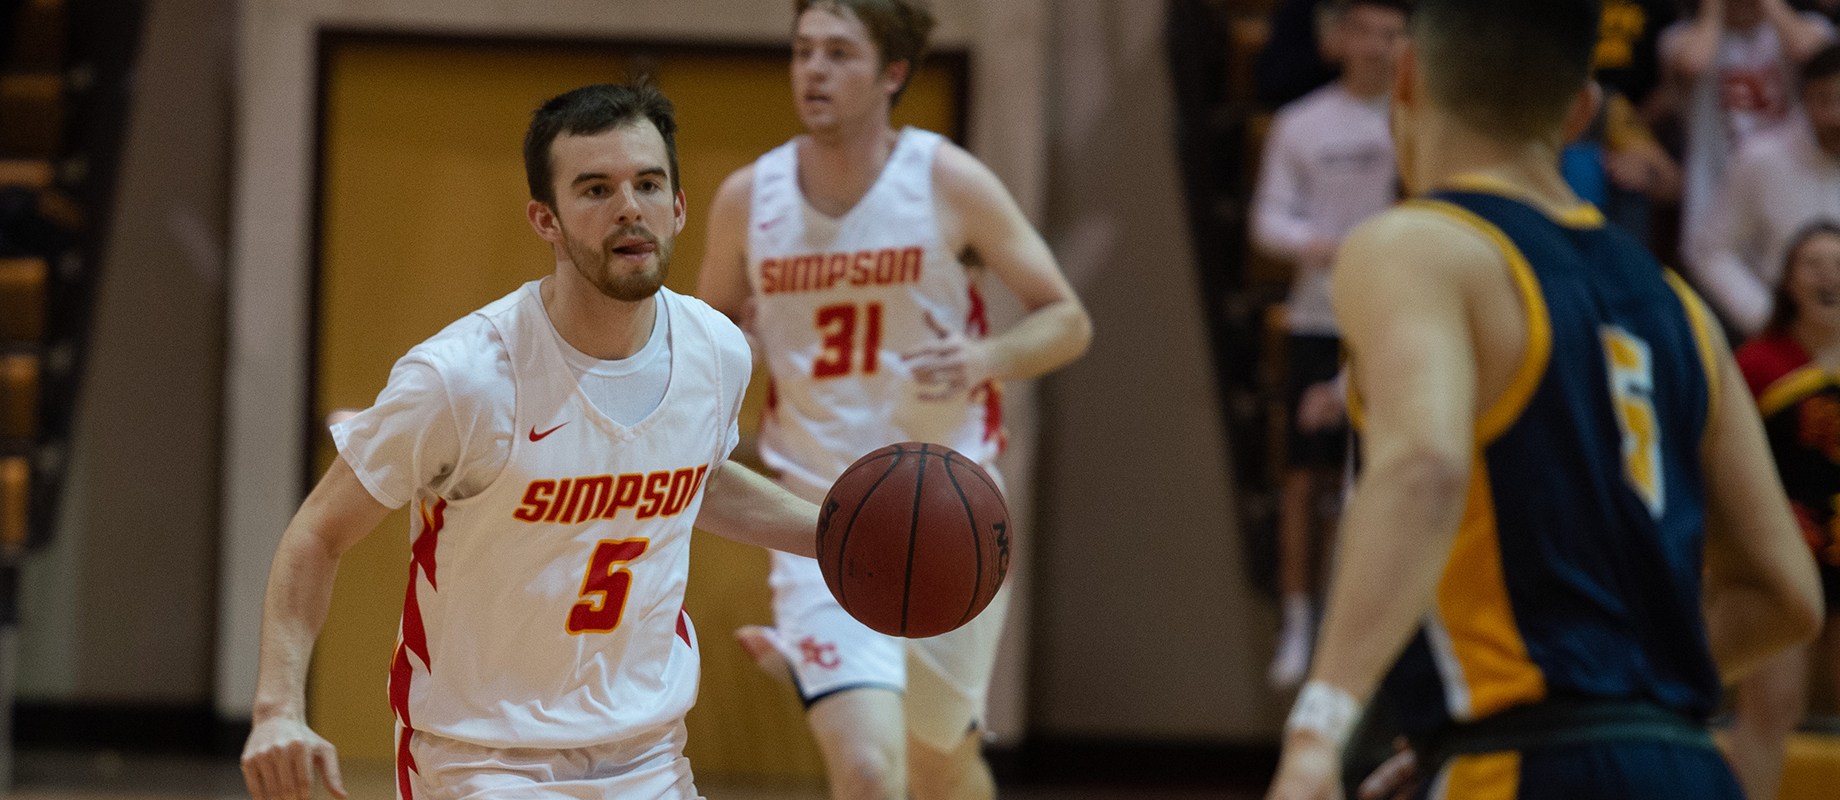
(280, 758)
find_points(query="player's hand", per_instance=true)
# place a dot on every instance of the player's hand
(1310, 769)
(1395, 779)
(280, 757)
(950, 366)
(1322, 408)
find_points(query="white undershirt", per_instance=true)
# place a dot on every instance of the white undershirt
(627, 390)
(443, 422)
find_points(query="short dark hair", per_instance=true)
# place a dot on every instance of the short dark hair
(1508, 68)
(901, 29)
(586, 112)
(1344, 6)
(1784, 311)
(1825, 64)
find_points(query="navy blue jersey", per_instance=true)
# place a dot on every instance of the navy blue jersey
(1576, 572)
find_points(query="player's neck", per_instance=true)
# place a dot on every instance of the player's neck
(593, 323)
(837, 167)
(1446, 151)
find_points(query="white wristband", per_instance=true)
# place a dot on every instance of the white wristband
(1325, 710)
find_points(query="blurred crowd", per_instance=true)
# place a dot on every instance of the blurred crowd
(1717, 146)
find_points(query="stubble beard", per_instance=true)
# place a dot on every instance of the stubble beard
(593, 263)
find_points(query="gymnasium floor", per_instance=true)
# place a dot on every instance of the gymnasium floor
(53, 775)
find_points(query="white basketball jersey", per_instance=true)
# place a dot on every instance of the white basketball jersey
(839, 300)
(547, 610)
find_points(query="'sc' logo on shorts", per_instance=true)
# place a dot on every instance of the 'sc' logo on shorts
(823, 655)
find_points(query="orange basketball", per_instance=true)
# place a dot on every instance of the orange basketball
(913, 540)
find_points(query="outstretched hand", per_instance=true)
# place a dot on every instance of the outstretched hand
(281, 756)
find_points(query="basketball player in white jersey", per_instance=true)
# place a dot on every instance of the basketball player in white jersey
(852, 254)
(557, 446)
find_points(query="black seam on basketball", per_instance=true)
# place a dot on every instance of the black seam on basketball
(843, 545)
(907, 586)
(977, 550)
(979, 472)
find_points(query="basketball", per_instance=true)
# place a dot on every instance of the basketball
(913, 539)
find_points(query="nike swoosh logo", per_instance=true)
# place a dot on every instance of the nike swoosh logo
(537, 437)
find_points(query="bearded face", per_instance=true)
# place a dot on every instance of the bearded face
(629, 264)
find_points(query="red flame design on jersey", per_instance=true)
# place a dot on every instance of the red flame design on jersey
(414, 639)
(977, 323)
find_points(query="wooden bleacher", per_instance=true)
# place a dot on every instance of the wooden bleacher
(18, 396)
(32, 137)
(22, 299)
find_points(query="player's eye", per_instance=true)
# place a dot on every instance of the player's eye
(596, 190)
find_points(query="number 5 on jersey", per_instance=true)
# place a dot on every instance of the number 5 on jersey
(604, 588)
(837, 325)
(1632, 389)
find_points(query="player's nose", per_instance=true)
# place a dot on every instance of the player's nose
(626, 209)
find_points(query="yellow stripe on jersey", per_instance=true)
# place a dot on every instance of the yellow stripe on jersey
(1704, 333)
(1501, 416)
(1793, 388)
(1583, 215)
(1486, 776)
(1473, 603)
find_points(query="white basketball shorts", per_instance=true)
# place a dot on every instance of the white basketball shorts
(650, 769)
(944, 680)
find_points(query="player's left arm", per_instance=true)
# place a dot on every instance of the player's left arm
(1399, 299)
(741, 505)
(983, 221)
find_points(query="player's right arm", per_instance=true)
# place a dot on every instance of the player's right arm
(1762, 593)
(282, 752)
(723, 281)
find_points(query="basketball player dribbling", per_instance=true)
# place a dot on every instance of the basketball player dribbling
(557, 446)
(1556, 441)
(852, 255)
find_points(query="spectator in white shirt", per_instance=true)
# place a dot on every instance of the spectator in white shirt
(1328, 166)
(1779, 183)
(1735, 61)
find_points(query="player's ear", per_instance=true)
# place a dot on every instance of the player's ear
(895, 76)
(1583, 112)
(543, 220)
(680, 212)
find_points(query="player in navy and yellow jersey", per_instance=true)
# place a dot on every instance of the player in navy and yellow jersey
(1567, 532)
